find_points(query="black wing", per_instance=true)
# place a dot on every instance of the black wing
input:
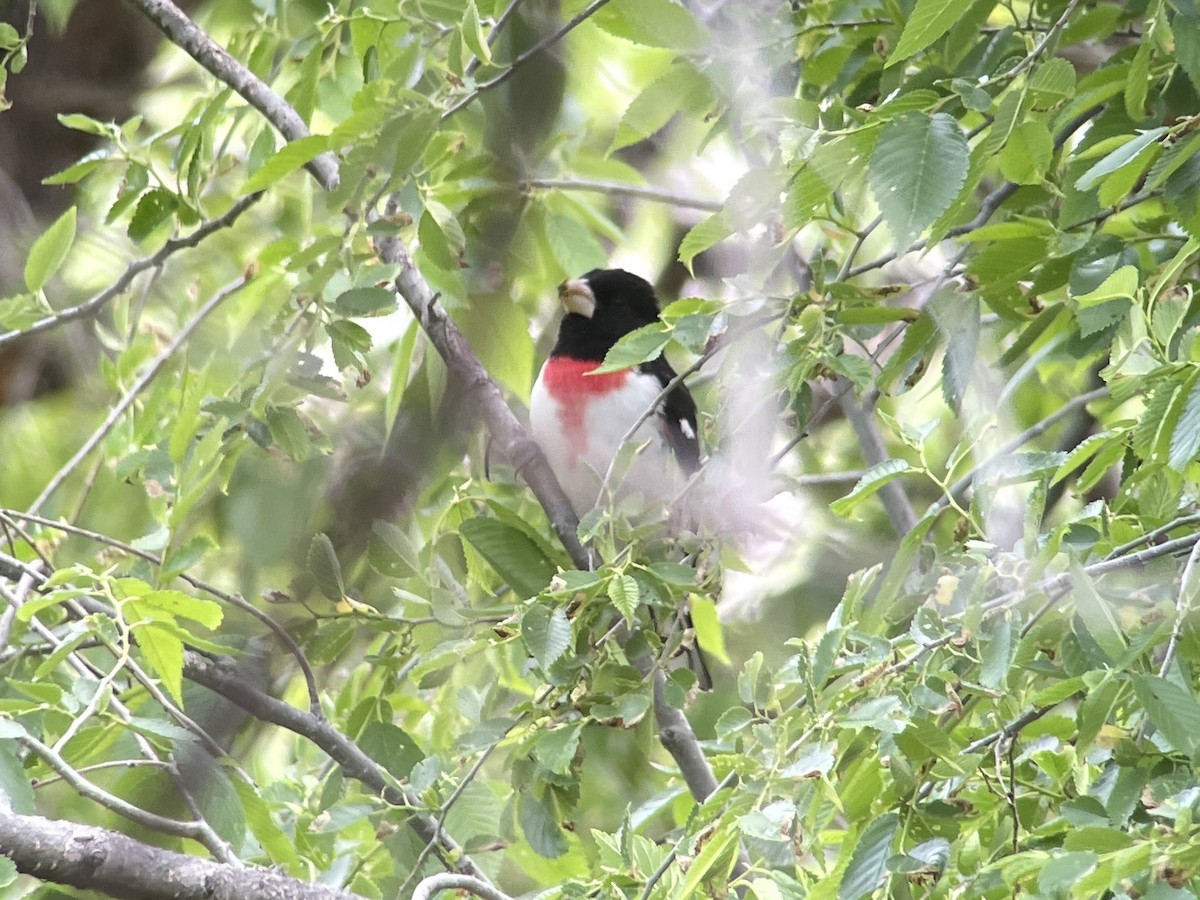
(678, 415)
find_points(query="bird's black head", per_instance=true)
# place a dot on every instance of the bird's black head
(602, 307)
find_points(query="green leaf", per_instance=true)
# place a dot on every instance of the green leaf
(547, 633)
(325, 569)
(153, 208)
(262, 824)
(930, 19)
(709, 633)
(1120, 285)
(539, 826)
(868, 863)
(703, 235)
(473, 36)
(49, 251)
(639, 346)
(654, 23)
(1122, 156)
(511, 552)
(874, 478)
(957, 318)
(1052, 83)
(1185, 438)
(290, 157)
(1028, 153)
(681, 89)
(391, 747)
(624, 594)
(1171, 709)
(16, 791)
(289, 432)
(178, 604)
(917, 168)
(556, 748)
(1062, 871)
(365, 301)
(1098, 616)
(163, 651)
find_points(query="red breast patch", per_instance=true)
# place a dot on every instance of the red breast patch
(567, 381)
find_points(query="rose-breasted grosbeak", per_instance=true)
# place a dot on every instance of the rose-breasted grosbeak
(580, 420)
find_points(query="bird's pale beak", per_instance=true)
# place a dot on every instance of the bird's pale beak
(576, 297)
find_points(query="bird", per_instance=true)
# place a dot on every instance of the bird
(580, 420)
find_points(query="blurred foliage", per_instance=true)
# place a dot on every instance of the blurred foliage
(973, 226)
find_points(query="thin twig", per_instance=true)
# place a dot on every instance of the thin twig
(235, 600)
(620, 189)
(537, 48)
(959, 487)
(188, 36)
(126, 401)
(93, 305)
(1042, 44)
(109, 801)
(1182, 605)
(501, 21)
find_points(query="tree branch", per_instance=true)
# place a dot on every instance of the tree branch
(506, 431)
(101, 860)
(445, 881)
(222, 677)
(93, 305)
(192, 39)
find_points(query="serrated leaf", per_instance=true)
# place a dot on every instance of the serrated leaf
(1120, 285)
(511, 552)
(1028, 153)
(709, 634)
(681, 89)
(703, 235)
(654, 23)
(163, 652)
(624, 594)
(1052, 83)
(75, 173)
(556, 748)
(289, 432)
(539, 827)
(392, 747)
(930, 19)
(1185, 438)
(547, 633)
(957, 318)
(153, 208)
(1171, 709)
(927, 858)
(262, 824)
(325, 569)
(365, 301)
(639, 346)
(177, 604)
(868, 862)
(290, 157)
(874, 478)
(1098, 616)
(16, 792)
(917, 168)
(473, 36)
(49, 251)
(86, 124)
(1122, 156)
